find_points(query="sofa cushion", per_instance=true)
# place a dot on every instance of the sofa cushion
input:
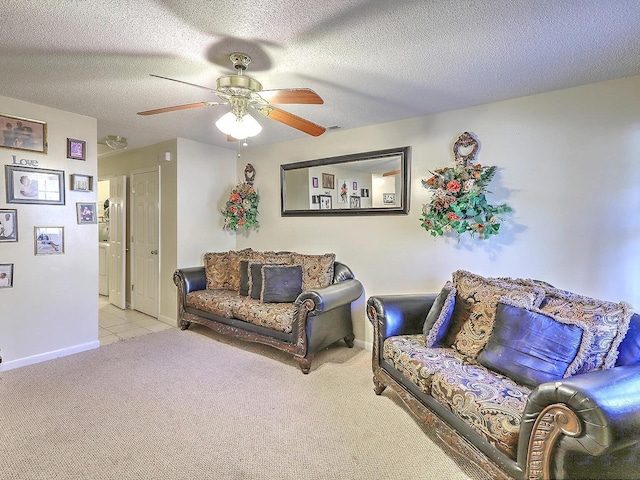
(218, 302)
(439, 317)
(216, 268)
(281, 283)
(607, 321)
(317, 270)
(274, 316)
(488, 402)
(629, 349)
(475, 307)
(408, 355)
(531, 348)
(255, 280)
(233, 274)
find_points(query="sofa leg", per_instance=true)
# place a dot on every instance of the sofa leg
(184, 325)
(304, 363)
(378, 386)
(349, 340)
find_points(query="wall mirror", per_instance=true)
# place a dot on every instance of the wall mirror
(371, 183)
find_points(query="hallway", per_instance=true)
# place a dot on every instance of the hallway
(116, 324)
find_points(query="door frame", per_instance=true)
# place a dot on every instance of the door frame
(132, 229)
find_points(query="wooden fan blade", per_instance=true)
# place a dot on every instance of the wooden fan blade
(178, 107)
(186, 83)
(292, 120)
(291, 95)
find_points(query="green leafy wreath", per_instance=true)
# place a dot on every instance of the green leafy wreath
(241, 209)
(459, 204)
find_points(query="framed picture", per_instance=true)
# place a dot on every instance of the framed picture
(76, 149)
(6, 275)
(355, 186)
(364, 192)
(389, 198)
(86, 212)
(343, 194)
(326, 202)
(23, 134)
(34, 185)
(49, 240)
(81, 183)
(8, 225)
(328, 181)
(354, 202)
(314, 182)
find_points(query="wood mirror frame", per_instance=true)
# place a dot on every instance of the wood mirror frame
(370, 183)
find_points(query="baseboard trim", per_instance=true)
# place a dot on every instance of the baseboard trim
(43, 357)
(167, 320)
(362, 344)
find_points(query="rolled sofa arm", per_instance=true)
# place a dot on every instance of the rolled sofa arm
(333, 296)
(600, 410)
(399, 314)
(190, 279)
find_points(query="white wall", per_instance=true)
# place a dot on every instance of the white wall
(568, 165)
(52, 309)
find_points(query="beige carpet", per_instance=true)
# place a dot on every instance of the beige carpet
(195, 405)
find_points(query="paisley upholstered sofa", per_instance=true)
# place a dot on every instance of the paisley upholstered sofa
(294, 302)
(526, 380)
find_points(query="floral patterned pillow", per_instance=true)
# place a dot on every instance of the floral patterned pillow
(475, 308)
(216, 268)
(317, 270)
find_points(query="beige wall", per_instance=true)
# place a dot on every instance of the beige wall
(52, 309)
(568, 165)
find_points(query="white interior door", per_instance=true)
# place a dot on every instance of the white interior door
(144, 242)
(117, 240)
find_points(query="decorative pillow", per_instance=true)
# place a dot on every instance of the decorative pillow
(255, 280)
(607, 321)
(233, 274)
(629, 349)
(281, 283)
(475, 308)
(244, 278)
(317, 270)
(532, 347)
(439, 317)
(216, 269)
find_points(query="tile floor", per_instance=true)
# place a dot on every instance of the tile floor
(115, 324)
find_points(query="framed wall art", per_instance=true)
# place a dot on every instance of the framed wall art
(328, 181)
(8, 225)
(325, 202)
(34, 185)
(354, 202)
(49, 240)
(6, 275)
(86, 213)
(76, 149)
(81, 183)
(23, 134)
(314, 182)
(388, 198)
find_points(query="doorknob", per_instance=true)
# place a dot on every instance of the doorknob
(154, 252)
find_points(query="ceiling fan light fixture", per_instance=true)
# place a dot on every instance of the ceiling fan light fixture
(240, 128)
(116, 142)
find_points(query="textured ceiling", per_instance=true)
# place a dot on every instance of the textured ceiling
(372, 61)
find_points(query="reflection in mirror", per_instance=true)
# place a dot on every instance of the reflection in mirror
(371, 183)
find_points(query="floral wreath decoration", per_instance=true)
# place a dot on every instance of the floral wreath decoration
(459, 204)
(241, 209)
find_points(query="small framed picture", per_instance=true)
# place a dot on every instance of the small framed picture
(314, 182)
(354, 202)
(8, 225)
(389, 198)
(328, 181)
(34, 185)
(49, 240)
(355, 186)
(6, 275)
(76, 149)
(364, 192)
(86, 213)
(81, 183)
(23, 134)
(326, 202)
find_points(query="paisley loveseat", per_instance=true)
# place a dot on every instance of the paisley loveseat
(526, 380)
(294, 302)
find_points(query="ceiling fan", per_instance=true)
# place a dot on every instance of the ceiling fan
(243, 93)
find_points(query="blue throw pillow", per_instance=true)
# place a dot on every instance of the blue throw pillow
(531, 347)
(281, 283)
(438, 319)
